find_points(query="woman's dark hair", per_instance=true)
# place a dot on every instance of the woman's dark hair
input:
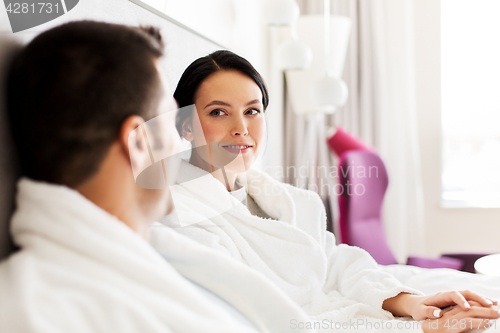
(202, 68)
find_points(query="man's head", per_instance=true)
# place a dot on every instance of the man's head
(70, 90)
(74, 95)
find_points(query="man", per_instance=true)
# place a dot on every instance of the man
(79, 99)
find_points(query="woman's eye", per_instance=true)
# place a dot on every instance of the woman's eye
(216, 112)
(253, 111)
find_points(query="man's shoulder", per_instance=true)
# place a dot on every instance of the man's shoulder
(18, 262)
(40, 295)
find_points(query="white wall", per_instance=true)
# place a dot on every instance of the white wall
(447, 229)
(235, 24)
(182, 46)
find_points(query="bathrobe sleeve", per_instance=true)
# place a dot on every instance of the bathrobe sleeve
(350, 270)
(355, 274)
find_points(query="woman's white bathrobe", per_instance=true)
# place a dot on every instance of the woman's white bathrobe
(294, 250)
(79, 269)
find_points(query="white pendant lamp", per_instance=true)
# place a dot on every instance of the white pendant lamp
(329, 92)
(281, 12)
(311, 91)
(291, 54)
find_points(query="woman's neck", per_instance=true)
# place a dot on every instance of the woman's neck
(228, 179)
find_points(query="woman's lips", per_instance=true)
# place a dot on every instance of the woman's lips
(237, 148)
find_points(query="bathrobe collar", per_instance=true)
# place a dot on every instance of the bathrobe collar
(271, 196)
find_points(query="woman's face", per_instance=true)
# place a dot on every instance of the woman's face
(231, 115)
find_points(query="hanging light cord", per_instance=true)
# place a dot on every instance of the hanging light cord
(327, 36)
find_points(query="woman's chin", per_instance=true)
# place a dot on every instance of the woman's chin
(238, 166)
(232, 163)
(235, 170)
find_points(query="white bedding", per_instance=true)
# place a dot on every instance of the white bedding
(431, 281)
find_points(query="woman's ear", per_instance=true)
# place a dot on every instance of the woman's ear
(187, 129)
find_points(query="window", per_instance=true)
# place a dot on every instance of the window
(470, 88)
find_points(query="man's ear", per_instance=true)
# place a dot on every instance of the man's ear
(134, 144)
(187, 129)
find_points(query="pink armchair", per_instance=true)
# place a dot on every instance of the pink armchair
(361, 222)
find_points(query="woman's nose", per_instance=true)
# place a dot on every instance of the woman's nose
(240, 128)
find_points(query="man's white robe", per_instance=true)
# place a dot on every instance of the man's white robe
(80, 269)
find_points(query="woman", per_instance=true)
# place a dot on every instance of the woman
(278, 229)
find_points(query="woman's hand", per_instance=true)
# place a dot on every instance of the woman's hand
(429, 307)
(457, 320)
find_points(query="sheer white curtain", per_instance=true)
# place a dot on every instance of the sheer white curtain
(380, 110)
(404, 210)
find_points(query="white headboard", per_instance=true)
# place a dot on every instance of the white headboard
(182, 47)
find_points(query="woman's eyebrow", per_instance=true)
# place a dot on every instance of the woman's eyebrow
(253, 102)
(217, 103)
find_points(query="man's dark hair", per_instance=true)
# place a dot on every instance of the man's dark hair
(202, 68)
(70, 90)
